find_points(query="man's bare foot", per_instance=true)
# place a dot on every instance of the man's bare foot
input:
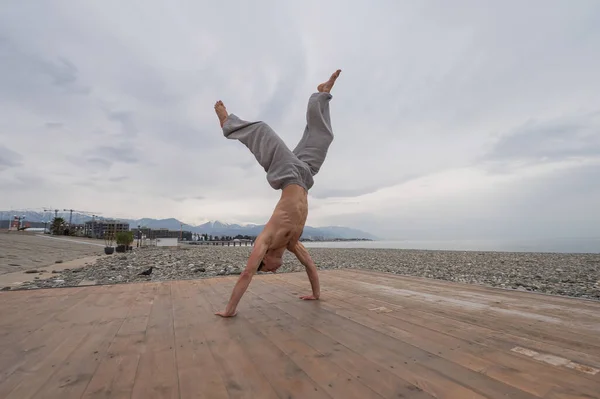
(221, 112)
(327, 86)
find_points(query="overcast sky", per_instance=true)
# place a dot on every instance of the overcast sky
(461, 119)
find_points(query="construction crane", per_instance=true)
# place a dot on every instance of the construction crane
(93, 214)
(52, 210)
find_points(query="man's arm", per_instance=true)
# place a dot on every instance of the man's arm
(258, 252)
(311, 270)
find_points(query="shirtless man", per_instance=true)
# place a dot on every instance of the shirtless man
(289, 171)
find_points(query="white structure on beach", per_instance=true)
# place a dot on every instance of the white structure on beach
(166, 242)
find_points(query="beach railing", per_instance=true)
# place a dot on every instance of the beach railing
(233, 243)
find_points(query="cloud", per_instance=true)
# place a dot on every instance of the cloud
(64, 74)
(116, 154)
(9, 158)
(103, 157)
(540, 202)
(449, 121)
(96, 162)
(53, 125)
(550, 141)
(125, 119)
(22, 182)
(25, 71)
(324, 192)
(194, 198)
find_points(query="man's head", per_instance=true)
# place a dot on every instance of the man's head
(272, 261)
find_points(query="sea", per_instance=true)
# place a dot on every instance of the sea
(559, 245)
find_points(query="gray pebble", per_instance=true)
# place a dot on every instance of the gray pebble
(561, 274)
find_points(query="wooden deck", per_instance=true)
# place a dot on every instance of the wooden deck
(372, 335)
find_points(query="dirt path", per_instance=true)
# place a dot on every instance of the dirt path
(22, 251)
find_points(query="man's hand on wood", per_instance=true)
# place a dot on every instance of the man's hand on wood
(226, 314)
(309, 298)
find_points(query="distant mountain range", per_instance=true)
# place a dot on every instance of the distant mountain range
(217, 228)
(214, 228)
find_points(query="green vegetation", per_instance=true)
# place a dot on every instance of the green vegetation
(58, 226)
(125, 238)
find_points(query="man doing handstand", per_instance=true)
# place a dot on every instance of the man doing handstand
(289, 171)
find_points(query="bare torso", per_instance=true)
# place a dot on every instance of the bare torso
(287, 222)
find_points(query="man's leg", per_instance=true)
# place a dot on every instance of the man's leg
(267, 147)
(260, 139)
(318, 134)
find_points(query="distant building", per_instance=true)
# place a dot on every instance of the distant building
(166, 242)
(5, 224)
(77, 229)
(99, 228)
(163, 233)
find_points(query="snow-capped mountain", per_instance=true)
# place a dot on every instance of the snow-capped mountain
(218, 228)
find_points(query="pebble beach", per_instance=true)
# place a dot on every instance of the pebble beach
(574, 275)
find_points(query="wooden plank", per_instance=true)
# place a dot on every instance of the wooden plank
(38, 369)
(33, 345)
(157, 369)
(493, 331)
(284, 375)
(27, 380)
(458, 351)
(430, 373)
(72, 377)
(27, 315)
(532, 313)
(583, 313)
(377, 378)
(444, 322)
(40, 352)
(482, 336)
(242, 377)
(115, 375)
(572, 395)
(553, 333)
(171, 344)
(436, 284)
(198, 373)
(36, 295)
(522, 373)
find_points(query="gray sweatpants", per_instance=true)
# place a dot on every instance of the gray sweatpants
(285, 167)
